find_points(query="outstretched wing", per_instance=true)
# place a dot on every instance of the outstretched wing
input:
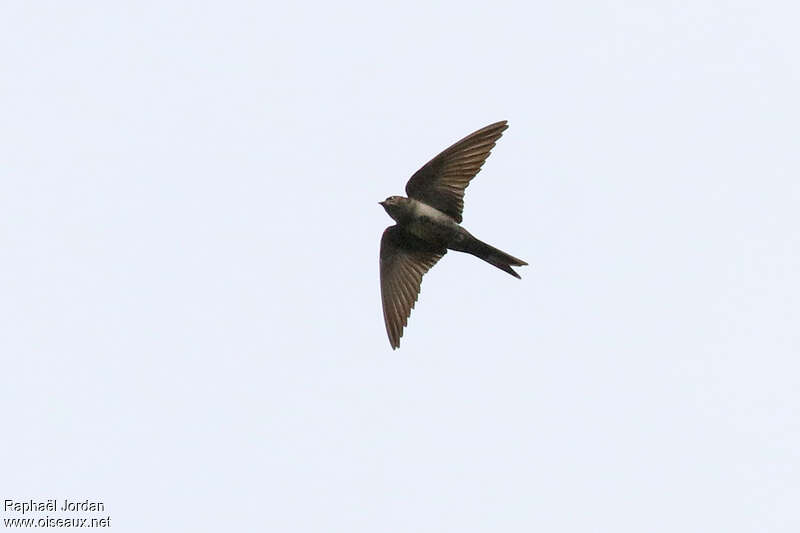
(404, 260)
(441, 182)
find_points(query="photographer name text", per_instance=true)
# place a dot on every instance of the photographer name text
(66, 506)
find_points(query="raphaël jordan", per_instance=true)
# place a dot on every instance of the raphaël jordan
(32, 506)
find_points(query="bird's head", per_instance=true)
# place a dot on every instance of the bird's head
(394, 206)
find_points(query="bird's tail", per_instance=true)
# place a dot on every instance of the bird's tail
(493, 256)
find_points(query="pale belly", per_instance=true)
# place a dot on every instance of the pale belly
(432, 225)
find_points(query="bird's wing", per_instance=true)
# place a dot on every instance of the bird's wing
(404, 260)
(441, 182)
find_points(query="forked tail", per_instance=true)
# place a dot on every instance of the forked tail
(493, 256)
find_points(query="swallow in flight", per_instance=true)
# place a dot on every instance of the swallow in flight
(428, 224)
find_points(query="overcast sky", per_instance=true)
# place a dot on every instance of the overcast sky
(190, 318)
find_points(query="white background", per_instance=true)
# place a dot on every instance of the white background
(190, 319)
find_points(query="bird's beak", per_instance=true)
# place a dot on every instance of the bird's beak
(381, 203)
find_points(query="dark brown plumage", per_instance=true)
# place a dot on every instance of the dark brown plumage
(441, 181)
(404, 260)
(428, 224)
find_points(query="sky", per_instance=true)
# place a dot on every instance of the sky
(190, 322)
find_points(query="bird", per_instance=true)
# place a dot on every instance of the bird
(428, 223)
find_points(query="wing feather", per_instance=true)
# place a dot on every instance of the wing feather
(404, 259)
(442, 180)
